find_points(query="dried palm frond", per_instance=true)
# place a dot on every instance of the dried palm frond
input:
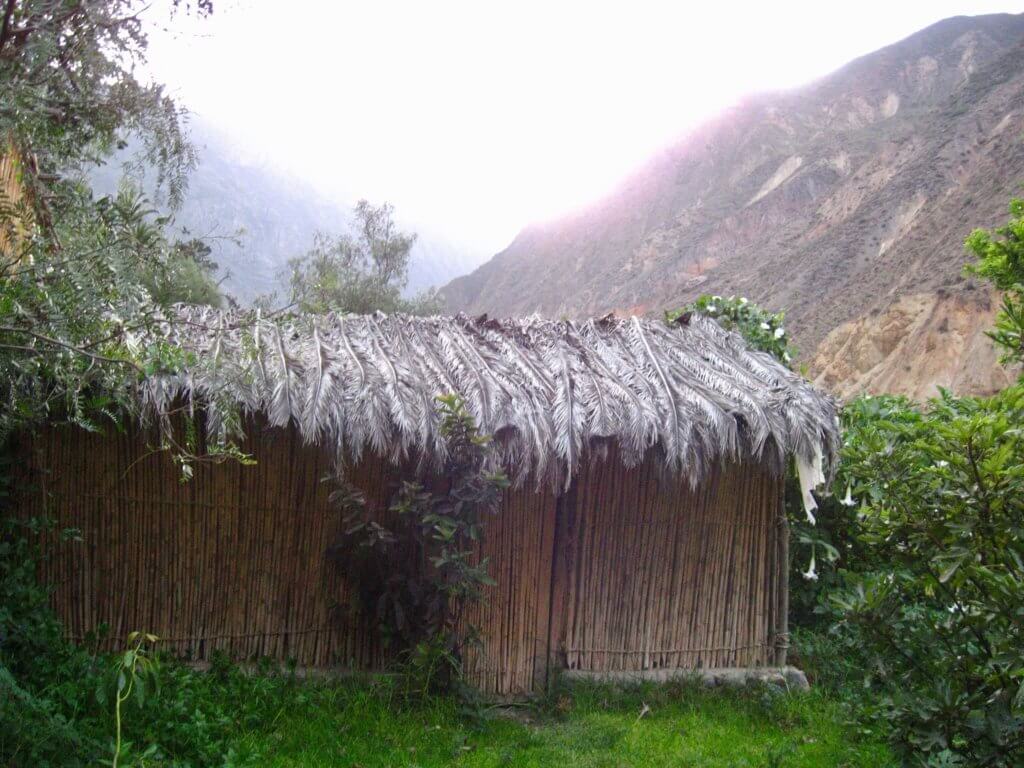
(552, 392)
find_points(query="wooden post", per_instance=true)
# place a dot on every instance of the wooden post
(782, 610)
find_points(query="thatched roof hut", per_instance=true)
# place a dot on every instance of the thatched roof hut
(643, 530)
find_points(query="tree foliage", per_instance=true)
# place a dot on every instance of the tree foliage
(73, 319)
(185, 275)
(927, 597)
(940, 615)
(69, 92)
(1000, 260)
(84, 280)
(359, 273)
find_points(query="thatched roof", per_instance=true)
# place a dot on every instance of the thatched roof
(550, 391)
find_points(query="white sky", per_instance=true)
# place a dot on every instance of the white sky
(478, 118)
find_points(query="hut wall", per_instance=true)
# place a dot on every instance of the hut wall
(656, 575)
(235, 559)
(630, 570)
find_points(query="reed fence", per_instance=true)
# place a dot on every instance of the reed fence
(631, 569)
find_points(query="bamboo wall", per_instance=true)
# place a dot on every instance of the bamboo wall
(657, 575)
(630, 570)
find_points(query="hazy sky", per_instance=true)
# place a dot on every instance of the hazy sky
(477, 118)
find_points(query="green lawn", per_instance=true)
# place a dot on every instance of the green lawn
(681, 725)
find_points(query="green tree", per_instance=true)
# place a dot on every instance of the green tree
(187, 275)
(192, 276)
(69, 93)
(359, 273)
(78, 320)
(1000, 260)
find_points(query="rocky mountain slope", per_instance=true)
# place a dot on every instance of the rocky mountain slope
(256, 218)
(844, 203)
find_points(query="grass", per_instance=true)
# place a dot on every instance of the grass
(262, 716)
(332, 724)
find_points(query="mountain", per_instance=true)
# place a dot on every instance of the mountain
(844, 203)
(256, 218)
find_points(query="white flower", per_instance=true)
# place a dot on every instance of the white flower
(712, 308)
(716, 298)
(743, 300)
(847, 500)
(765, 327)
(941, 463)
(780, 332)
(811, 574)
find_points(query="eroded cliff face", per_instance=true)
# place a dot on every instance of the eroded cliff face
(920, 343)
(845, 204)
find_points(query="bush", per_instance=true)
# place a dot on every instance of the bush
(413, 573)
(942, 623)
(836, 543)
(762, 329)
(41, 676)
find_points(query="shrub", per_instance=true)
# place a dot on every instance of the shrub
(942, 623)
(415, 572)
(762, 329)
(41, 677)
(836, 543)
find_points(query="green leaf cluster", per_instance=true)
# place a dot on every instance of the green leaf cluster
(1000, 260)
(762, 329)
(937, 613)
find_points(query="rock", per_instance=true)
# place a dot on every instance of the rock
(790, 678)
(920, 343)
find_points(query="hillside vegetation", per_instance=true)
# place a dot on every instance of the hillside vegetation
(255, 218)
